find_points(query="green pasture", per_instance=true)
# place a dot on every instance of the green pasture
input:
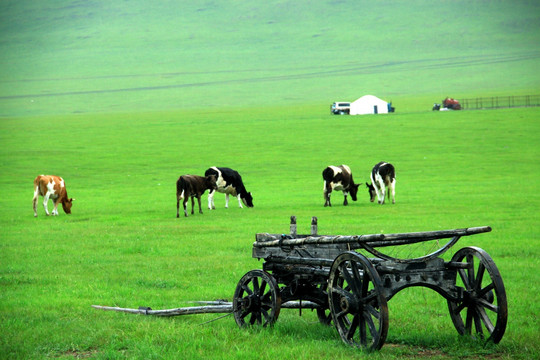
(109, 56)
(121, 98)
(123, 245)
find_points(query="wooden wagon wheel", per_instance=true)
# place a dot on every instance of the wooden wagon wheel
(257, 299)
(483, 305)
(357, 303)
(323, 312)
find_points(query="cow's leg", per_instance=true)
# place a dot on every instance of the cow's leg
(35, 200)
(383, 195)
(45, 201)
(184, 203)
(179, 196)
(192, 205)
(226, 201)
(199, 201)
(327, 191)
(239, 201)
(379, 192)
(392, 191)
(211, 205)
(55, 209)
(345, 202)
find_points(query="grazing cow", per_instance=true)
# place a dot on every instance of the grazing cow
(54, 188)
(383, 176)
(192, 186)
(229, 182)
(339, 178)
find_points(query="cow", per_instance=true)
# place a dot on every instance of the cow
(192, 186)
(229, 182)
(383, 180)
(51, 187)
(339, 178)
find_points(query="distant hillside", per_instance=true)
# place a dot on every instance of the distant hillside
(100, 56)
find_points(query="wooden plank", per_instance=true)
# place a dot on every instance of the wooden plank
(374, 240)
(222, 308)
(434, 235)
(323, 251)
(269, 240)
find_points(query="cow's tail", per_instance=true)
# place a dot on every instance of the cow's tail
(180, 186)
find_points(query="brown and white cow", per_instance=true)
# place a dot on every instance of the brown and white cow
(192, 186)
(339, 178)
(51, 187)
(382, 176)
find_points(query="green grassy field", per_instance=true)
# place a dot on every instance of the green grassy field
(121, 100)
(99, 56)
(123, 246)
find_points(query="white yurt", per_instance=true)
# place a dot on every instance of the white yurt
(369, 104)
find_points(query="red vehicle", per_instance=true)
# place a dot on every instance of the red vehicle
(452, 104)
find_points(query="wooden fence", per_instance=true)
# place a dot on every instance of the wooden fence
(500, 102)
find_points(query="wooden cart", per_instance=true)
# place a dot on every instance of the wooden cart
(351, 290)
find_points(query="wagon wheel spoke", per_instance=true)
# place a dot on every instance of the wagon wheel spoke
(485, 319)
(479, 276)
(478, 324)
(255, 282)
(357, 279)
(353, 327)
(483, 292)
(470, 272)
(266, 315)
(323, 312)
(371, 324)
(348, 277)
(244, 314)
(262, 288)
(465, 278)
(484, 304)
(373, 312)
(459, 308)
(372, 296)
(339, 291)
(468, 324)
(247, 289)
(482, 296)
(363, 333)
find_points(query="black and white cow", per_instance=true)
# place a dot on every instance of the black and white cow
(192, 186)
(339, 178)
(383, 180)
(229, 182)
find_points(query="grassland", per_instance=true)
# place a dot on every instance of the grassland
(98, 56)
(120, 101)
(123, 245)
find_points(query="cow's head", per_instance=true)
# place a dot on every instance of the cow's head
(66, 205)
(372, 192)
(247, 199)
(353, 190)
(210, 182)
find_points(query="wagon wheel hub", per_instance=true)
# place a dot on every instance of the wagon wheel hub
(472, 297)
(349, 305)
(251, 302)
